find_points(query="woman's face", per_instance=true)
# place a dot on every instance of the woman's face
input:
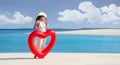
(42, 18)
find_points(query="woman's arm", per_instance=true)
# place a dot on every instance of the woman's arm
(46, 22)
(35, 25)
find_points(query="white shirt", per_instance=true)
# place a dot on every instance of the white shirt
(42, 26)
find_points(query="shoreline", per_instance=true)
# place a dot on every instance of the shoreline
(93, 32)
(84, 31)
(60, 59)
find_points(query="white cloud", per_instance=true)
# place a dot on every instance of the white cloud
(16, 18)
(87, 11)
(71, 16)
(112, 14)
(92, 13)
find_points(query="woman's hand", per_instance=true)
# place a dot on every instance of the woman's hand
(46, 25)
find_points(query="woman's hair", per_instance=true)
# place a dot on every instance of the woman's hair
(39, 17)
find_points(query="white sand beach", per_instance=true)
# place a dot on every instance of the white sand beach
(93, 32)
(60, 59)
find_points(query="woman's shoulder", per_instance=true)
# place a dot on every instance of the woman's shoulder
(38, 21)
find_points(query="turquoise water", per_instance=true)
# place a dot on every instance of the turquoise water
(15, 40)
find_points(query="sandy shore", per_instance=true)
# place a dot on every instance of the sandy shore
(60, 59)
(93, 32)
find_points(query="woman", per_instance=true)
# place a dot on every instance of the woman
(41, 26)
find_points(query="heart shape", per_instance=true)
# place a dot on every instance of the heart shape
(37, 33)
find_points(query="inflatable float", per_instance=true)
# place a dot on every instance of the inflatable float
(37, 33)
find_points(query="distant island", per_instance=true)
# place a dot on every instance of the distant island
(60, 28)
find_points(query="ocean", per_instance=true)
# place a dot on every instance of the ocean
(15, 40)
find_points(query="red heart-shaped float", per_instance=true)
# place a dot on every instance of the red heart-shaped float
(37, 33)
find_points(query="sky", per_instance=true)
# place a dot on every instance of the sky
(63, 14)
